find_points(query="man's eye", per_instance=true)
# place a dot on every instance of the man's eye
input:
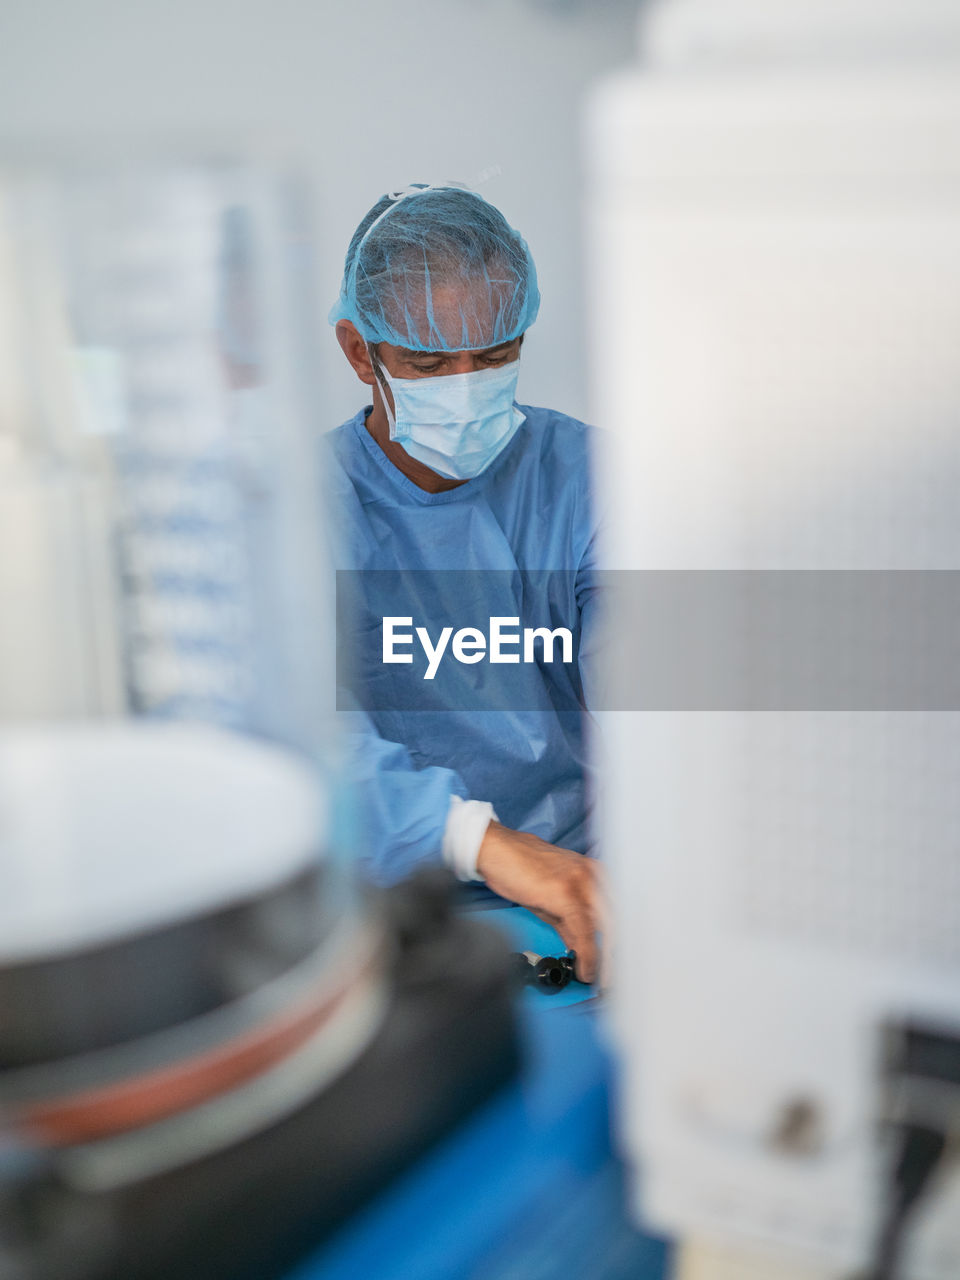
(496, 359)
(427, 368)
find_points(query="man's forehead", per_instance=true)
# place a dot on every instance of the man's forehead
(444, 315)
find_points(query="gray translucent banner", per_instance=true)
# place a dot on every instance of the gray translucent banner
(660, 641)
(882, 640)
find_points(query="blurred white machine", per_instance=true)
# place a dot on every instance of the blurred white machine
(775, 231)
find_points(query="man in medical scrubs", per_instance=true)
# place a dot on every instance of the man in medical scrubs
(445, 479)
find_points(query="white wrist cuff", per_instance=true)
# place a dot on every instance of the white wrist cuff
(467, 822)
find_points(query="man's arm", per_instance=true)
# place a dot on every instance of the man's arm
(415, 816)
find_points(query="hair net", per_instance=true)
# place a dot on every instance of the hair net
(437, 269)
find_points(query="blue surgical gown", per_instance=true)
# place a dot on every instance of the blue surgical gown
(531, 510)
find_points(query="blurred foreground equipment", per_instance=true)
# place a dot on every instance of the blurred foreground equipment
(213, 1045)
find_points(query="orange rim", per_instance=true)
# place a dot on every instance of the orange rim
(155, 1095)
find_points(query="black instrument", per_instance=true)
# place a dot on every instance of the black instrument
(548, 974)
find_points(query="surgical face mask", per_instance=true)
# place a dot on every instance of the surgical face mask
(458, 423)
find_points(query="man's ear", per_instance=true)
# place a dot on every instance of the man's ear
(355, 349)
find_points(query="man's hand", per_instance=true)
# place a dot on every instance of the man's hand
(560, 887)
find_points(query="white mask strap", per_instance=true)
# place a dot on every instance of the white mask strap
(380, 374)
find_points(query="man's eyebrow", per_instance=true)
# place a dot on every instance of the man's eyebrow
(436, 355)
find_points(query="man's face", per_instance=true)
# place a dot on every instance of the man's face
(369, 364)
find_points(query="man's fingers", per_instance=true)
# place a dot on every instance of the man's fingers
(579, 924)
(582, 939)
(578, 928)
(579, 933)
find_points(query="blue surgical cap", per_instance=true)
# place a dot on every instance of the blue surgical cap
(438, 268)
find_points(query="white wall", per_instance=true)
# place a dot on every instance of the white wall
(369, 96)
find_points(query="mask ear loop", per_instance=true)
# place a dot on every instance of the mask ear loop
(381, 374)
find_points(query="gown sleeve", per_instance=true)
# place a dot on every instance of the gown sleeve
(401, 810)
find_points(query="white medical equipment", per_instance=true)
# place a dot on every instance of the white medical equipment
(775, 242)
